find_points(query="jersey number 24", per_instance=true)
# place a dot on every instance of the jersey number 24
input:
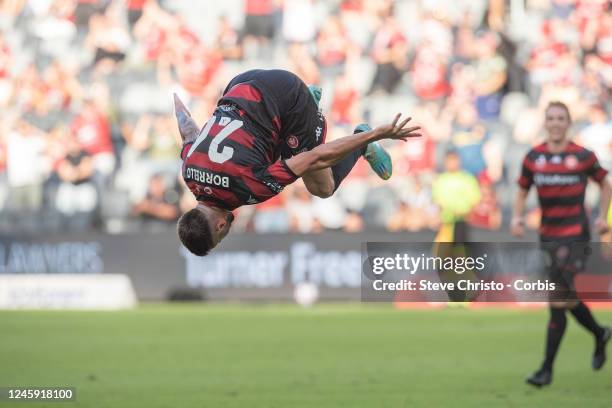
(229, 126)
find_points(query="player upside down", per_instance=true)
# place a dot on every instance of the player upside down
(266, 132)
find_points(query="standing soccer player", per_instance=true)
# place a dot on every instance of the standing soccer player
(266, 132)
(560, 170)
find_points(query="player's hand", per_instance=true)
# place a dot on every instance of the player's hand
(601, 225)
(397, 130)
(188, 129)
(517, 226)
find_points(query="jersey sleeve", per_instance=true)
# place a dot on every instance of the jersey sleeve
(526, 179)
(265, 182)
(594, 169)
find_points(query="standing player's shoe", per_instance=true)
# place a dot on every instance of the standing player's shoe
(316, 93)
(376, 155)
(599, 357)
(540, 378)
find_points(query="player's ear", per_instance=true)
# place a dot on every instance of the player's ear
(188, 129)
(220, 224)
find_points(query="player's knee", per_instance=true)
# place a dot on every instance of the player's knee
(195, 233)
(321, 191)
(563, 304)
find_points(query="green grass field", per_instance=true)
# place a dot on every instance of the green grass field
(284, 356)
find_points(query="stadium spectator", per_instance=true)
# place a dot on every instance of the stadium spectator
(271, 216)
(468, 140)
(486, 213)
(429, 74)
(159, 208)
(228, 41)
(298, 21)
(490, 73)
(345, 102)
(390, 53)
(416, 211)
(259, 26)
(597, 135)
(92, 129)
(108, 39)
(76, 197)
(26, 166)
(301, 210)
(333, 45)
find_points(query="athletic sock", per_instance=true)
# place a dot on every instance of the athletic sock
(585, 318)
(341, 169)
(554, 334)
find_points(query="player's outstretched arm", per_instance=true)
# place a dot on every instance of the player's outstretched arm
(328, 154)
(188, 129)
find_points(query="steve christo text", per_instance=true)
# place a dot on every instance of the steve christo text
(463, 284)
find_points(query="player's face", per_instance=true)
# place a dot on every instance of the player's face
(556, 122)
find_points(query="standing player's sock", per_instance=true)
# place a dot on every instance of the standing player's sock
(556, 329)
(585, 318)
(341, 169)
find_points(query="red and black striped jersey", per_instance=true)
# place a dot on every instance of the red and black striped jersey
(233, 163)
(561, 180)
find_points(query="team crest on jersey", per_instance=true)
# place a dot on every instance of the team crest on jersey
(292, 141)
(556, 159)
(571, 161)
(540, 161)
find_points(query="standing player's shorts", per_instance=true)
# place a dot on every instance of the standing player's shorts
(563, 262)
(281, 105)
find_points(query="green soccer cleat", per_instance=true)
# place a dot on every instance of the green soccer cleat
(316, 93)
(376, 155)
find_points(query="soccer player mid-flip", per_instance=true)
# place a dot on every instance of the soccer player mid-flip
(265, 133)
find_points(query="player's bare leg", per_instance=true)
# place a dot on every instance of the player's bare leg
(323, 183)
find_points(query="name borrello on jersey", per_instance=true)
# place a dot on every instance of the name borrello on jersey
(229, 166)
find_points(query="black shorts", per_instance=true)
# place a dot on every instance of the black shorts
(282, 105)
(563, 262)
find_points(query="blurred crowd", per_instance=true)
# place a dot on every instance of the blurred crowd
(88, 139)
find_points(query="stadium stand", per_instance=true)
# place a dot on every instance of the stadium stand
(86, 117)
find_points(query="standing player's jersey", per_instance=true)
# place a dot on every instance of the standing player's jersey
(561, 181)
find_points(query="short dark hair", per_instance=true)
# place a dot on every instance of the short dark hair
(194, 232)
(559, 104)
